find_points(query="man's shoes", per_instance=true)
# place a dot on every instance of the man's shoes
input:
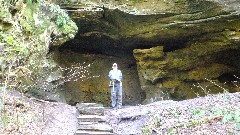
(119, 107)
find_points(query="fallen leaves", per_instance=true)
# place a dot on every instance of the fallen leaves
(20, 116)
(203, 115)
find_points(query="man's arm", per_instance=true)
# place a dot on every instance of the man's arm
(110, 75)
(120, 75)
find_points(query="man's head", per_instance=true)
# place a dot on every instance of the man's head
(114, 65)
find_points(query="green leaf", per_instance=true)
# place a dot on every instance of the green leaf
(10, 41)
(29, 1)
(4, 120)
(1, 104)
(1, 62)
(40, 1)
(237, 116)
(18, 48)
(227, 118)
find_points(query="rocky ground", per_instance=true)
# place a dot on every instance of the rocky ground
(214, 114)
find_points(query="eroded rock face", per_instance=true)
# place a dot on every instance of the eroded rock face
(104, 26)
(176, 43)
(27, 30)
(197, 69)
(183, 73)
(95, 86)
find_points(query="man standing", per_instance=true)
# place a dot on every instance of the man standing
(115, 77)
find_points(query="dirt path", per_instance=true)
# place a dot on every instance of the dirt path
(60, 119)
(195, 116)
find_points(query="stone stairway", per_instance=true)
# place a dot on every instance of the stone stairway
(91, 120)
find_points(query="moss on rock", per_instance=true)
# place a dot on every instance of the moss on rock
(25, 36)
(202, 58)
(171, 83)
(211, 71)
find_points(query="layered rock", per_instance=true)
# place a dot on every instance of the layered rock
(104, 26)
(177, 43)
(187, 72)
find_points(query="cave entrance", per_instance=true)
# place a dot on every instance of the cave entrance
(95, 87)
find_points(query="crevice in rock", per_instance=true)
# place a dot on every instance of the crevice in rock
(227, 78)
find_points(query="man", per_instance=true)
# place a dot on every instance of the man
(115, 77)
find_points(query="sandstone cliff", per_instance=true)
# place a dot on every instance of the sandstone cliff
(179, 46)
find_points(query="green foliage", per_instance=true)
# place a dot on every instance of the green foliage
(61, 21)
(71, 27)
(14, 49)
(4, 120)
(40, 1)
(7, 39)
(146, 130)
(198, 113)
(23, 47)
(1, 105)
(156, 121)
(231, 116)
(28, 13)
(52, 12)
(27, 21)
(237, 116)
(227, 118)
(172, 131)
(10, 40)
(61, 16)
(29, 1)
(193, 123)
(55, 8)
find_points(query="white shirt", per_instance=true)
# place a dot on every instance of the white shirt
(115, 74)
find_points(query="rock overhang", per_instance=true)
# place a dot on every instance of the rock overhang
(196, 37)
(113, 26)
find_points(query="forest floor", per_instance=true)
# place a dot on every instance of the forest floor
(212, 115)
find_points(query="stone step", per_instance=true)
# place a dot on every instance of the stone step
(89, 105)
(91, 118)
(86, 132)
(86, 123)
(84, 9)
(96, 127)
(90, 108)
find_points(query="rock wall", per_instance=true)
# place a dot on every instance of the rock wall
(177, 43)
(187, 72)
(95, 87)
